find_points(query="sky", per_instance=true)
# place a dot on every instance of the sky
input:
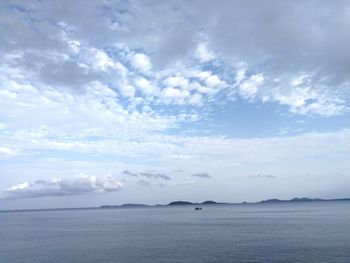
(111, 102)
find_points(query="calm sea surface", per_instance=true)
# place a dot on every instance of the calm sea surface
(307, 232)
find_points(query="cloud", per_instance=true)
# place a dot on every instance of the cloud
(270, 34)
(141, 62)
(156, 176)
(79, 185)
(176, 81)
(174, 95)
(269, 38)
(249, 88)
(202, 175)
(178, 171)
(203, 53)
(72, 55)
(148, 175)
(169, 85)
(127, 172)
(6, 151)
(262, 176)
(146, 86)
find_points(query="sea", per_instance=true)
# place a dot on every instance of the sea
(307, 232)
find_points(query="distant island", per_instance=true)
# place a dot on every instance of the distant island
(209, 202)
(130, 205)
(303, 199)
(124, 205)
(190, 203)
(187, 203)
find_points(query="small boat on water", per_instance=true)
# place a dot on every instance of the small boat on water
(198, 208)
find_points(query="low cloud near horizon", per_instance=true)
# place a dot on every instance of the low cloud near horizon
(79, 185)
(201, 175)
(263, 176)
(127, 172)
(154, 175)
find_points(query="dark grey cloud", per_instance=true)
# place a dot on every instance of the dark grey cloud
(24, 22)
(278, 36)
(63, 187)
(67, 73)
(156, 175)
(201, 175)
(21, 30)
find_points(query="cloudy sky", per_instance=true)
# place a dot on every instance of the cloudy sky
(109, 102)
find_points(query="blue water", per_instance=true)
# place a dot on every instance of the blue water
(307, 232)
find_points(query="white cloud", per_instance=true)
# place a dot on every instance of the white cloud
(211, 83)
(141, 62)
(102, 61)
(214, 81)
(6, 151)
(170, 94)
(176, 81)
(249, 88)
(128, 90)
(196, 99)
(203, 54)
(202, 75)
(81, 184)
(3, 126)
(72, 115)
(146, 86)
(300, 80)
(302, 98)
(74, 45)
(240, 75)
(202, 89)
